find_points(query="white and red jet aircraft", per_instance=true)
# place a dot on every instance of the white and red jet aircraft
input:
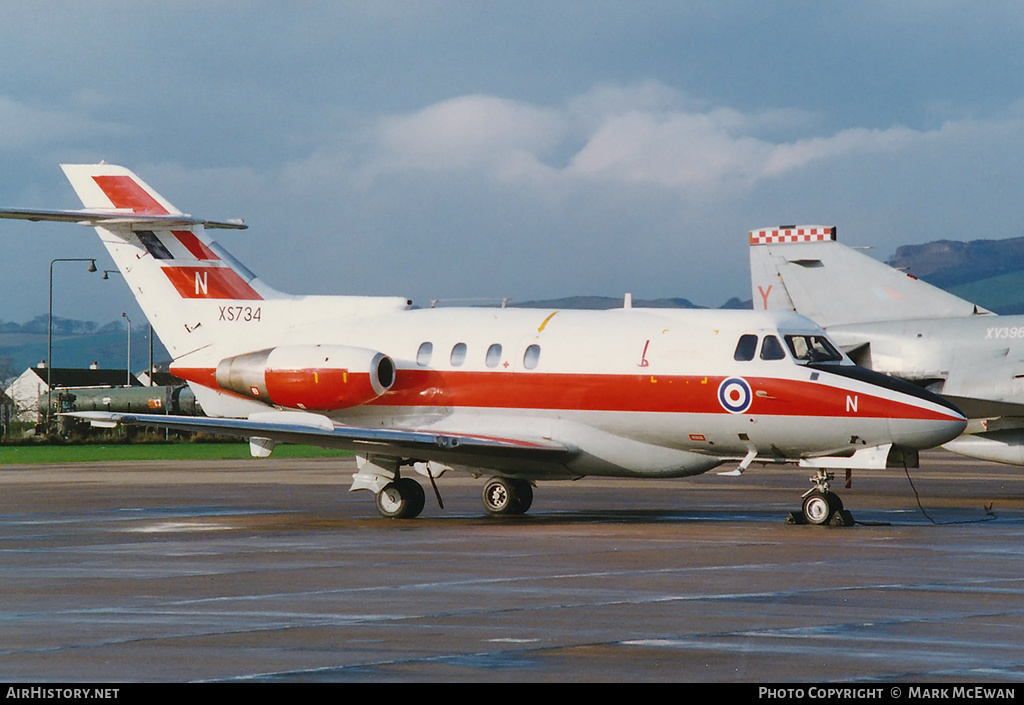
(520, 394)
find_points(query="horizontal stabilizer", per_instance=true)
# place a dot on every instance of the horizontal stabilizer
(119, 216)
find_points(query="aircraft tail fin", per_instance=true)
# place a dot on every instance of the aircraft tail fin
(804, 269)
(174, 269)
(203, 303)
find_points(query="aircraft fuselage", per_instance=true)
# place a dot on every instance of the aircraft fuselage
(636, 392)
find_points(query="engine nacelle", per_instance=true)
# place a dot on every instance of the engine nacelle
(315, 377)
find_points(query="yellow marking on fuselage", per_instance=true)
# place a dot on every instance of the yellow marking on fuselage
(546, 322)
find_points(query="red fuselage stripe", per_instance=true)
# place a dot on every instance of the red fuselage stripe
(625, 393)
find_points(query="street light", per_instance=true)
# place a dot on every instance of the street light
(106, 273)
(49, 328)
(128, 380)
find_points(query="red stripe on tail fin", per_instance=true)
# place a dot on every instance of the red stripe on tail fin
(124, 192)
(210, 283)
(194, 245)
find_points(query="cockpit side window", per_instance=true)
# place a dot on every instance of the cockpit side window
(745, 348)
(771, 349)
(813, 348)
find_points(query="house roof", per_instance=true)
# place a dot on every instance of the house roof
(74, 377)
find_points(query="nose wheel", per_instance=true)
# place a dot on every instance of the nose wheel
(821, 505)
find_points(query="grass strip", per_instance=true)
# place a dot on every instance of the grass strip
(45, 454)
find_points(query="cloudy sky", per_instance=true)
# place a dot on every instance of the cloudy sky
(524, 149)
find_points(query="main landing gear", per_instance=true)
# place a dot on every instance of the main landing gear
(504, 496)
(401, 499)
(821, 505)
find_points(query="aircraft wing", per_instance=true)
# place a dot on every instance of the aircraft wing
(317, 430)
(804, 269)
(974, 408)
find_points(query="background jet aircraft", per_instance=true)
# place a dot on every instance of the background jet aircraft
(893, 323)
(523, 394)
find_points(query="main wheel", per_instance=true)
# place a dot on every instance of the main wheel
(505, 496)
(402, 499)
(524, 496)
(820, 506)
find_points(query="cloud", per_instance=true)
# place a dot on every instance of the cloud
(476, 132)
(629, 135)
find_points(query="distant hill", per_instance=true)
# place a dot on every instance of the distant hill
(602, 303)
(989, 273)
(75, 344)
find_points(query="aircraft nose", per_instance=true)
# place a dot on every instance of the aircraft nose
(926, 432)
(916, 419)
(932, 421)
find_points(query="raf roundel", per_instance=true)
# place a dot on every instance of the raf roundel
(734, 395)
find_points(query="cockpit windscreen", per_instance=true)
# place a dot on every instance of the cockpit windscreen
(812, 348)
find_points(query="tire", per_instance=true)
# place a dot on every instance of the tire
(401, 499)
(524, 496)
(504, 496)
(498, 496)
(820, 506)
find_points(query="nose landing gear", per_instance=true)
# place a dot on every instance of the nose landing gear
(821, 505)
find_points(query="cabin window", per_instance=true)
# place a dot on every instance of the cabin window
(458, 354)
(813, 348)
(745, 348)
(531, 357)
(424, 353)
(493, 355)
(771, 349)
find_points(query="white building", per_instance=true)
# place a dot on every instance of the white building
(31, 384)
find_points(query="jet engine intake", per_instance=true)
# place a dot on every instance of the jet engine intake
(314, 377)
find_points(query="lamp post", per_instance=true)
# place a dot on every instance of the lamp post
(106, 275)
(128, 376)
(49, 329)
